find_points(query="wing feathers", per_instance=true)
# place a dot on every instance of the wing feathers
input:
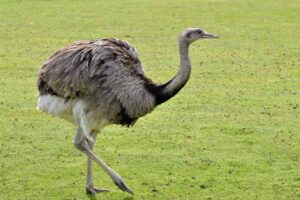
(108, 67)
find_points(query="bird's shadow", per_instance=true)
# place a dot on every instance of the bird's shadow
(94, 197)
(129, 198)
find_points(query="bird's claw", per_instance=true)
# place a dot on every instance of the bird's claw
(122, 185)
(93, 190)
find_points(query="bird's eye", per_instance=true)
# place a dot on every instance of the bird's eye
(200, 32)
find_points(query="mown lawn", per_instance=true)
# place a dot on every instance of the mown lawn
(233, 132)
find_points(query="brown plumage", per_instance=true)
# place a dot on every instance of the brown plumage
(106, 69)
(100, 82)
(72, 68)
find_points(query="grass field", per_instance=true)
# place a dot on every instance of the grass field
(233, 132)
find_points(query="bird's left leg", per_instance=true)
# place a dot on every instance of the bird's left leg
(90, 189)
(80, 142)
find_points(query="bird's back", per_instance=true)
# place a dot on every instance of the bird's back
(105, 73)
(71, 67)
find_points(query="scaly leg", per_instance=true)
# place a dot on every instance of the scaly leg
(81, 143)
(90, 189)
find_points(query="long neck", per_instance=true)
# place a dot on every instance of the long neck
(183, 74)
(173, 86)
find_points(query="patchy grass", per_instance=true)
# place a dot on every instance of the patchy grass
(231, 133)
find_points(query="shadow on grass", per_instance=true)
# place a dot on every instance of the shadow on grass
(129, 198)
(94, 197)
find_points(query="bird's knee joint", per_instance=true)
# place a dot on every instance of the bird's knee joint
(78, 145)
(91, 143)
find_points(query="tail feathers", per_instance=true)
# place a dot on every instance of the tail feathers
(53, 105)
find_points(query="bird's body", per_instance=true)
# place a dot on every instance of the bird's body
(100, 82)
(104, 78)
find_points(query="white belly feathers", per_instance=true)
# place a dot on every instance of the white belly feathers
(71, 110)
(57, 106)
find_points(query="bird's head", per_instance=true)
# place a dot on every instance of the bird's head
(193, 34)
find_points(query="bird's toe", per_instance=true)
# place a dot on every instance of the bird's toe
(93, 190)
(122, 185)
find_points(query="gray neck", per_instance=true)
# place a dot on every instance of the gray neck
(173, 86)
(184, 71)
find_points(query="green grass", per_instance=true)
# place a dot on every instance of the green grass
(233, 132)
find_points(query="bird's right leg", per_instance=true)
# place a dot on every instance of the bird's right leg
(80, 142)
(90, 189)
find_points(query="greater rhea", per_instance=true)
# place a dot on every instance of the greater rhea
(100, 82)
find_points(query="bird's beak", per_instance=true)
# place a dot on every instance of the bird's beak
(210, 36)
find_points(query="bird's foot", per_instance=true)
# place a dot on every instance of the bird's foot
(122, 185)
(93, 190)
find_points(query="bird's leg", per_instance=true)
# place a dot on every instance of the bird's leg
(90, 189)
(81, 143)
